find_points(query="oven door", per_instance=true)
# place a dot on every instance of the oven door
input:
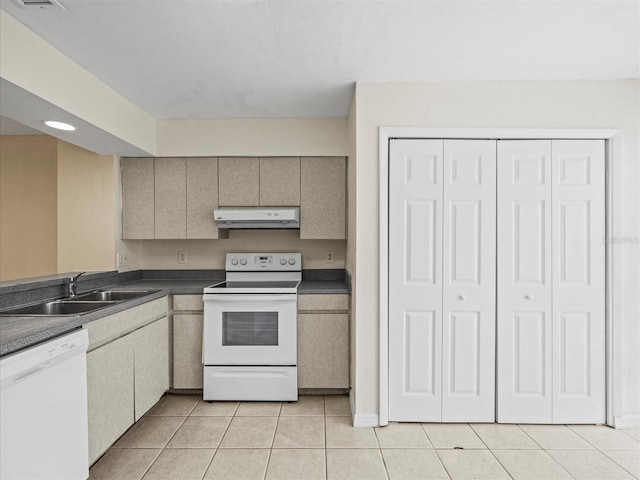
(251, 329)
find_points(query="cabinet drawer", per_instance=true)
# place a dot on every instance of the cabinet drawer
(109, 328)
(323, 302)
(188, 302)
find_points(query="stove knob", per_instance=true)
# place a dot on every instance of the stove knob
(243, 261)
(283, 261)
(292, 261)
(234, 261)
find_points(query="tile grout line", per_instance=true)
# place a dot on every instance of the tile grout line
(220, 442)
(621, 466)
(446, 470)
(545, 450)
(171, 437)
(324, 423)
(151, 464)
(162, 449)
(273, 439)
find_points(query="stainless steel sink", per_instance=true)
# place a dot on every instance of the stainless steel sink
(110, 296)
(57, 307)
(84, 303)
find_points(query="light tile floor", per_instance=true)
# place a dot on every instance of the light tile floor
(185, 438)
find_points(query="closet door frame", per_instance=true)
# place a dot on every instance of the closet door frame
(614, 260)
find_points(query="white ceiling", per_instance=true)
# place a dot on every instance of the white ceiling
(286, 58)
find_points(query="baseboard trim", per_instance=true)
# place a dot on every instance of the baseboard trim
(362, 419)
(628, 421)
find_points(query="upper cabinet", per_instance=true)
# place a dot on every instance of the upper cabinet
(202, 197)
(174, 198)
(170, 198)
(137, 198)
(323, 197)
(252, 182)
(239, 182)
(280, 182)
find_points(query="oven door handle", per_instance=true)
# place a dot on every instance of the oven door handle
(233, 298)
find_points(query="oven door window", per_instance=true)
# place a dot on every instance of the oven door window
(250, 328)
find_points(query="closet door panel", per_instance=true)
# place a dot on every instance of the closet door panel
(469, 217)
(415, 280)
(524, 285)
(578, 279)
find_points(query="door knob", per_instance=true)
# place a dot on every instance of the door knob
(462, 297)
(528, 296)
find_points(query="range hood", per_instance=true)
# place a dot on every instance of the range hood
(257, 217)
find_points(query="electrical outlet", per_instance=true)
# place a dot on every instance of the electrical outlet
(122, 259)
(182, 256)
(330, 256)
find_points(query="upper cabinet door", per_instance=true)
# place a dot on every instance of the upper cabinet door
(239, 182)
(280, 182)
(137, 198)
(202, 197)
(322, 197)
(171, 198)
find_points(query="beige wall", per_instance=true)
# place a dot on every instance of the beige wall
(547, 104)
(253, 137)
(57, 207)
(28, 213)
(86, 205)
(209, 254)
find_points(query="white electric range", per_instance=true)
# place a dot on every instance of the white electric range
(249, 346)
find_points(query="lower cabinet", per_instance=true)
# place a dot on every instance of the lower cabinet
(323, 341)
(110, 391)
(127, 371)
(187, 350)
(188, 316)
(151, 365)
(323, 350)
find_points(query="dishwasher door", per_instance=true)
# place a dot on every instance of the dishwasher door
(43, 411)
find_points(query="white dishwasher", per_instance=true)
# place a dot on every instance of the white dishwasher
(43, 411)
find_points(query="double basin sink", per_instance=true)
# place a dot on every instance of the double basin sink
(78, 305)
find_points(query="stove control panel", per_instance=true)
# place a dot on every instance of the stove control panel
(273, 262)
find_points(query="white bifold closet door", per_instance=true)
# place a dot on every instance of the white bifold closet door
(442, 280)
(551, 281)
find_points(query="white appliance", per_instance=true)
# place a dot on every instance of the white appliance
(250, 329)
(43, 411)
(251, 217)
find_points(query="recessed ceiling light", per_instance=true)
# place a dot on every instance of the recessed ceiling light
(59, 125)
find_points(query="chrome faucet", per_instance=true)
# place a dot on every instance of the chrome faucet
(73, 284)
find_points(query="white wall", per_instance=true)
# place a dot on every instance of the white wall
(548, 104)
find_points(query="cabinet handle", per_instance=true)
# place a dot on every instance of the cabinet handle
(528, 296)
(462, 297)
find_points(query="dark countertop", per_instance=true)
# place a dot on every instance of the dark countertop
(20, 332)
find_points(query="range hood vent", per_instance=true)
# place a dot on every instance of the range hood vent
(39, 3)
(254, 217)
